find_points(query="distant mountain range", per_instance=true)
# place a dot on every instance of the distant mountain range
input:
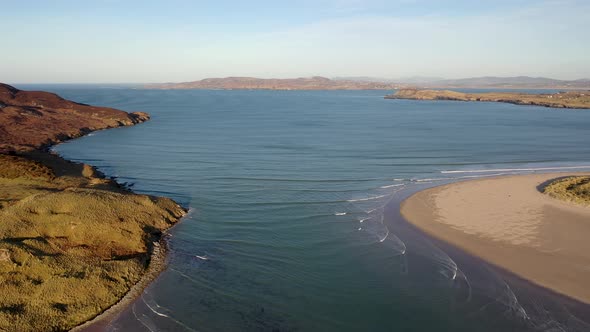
(512, 82)
(369, 83)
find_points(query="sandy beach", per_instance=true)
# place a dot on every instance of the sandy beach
(509, 223)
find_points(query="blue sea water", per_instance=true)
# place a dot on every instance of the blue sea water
(294, 195)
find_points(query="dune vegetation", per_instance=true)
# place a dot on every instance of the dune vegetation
(71, 242)
(572, 188)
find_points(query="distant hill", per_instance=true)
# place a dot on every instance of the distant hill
(304, 83)
(418, 79)
(511, 82)
(373, 83)
(364, 79)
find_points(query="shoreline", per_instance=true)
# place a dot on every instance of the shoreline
(157, 243)
(545, 247)
(158, 263)
(77, 212)
(158, 258)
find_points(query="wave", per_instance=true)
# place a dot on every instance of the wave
(292, 180)
(367, 198)
(515, 169)
(391, 186)
(340, 213)
(455, 178)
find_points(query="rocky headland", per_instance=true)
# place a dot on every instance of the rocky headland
(35, 119)
(570, 99)
(72, 243)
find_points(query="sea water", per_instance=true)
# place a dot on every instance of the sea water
(294, 196)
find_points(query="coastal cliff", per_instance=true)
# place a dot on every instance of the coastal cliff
(570, 99)
(72, 243)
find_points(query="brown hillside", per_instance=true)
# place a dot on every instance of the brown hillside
(34, 119)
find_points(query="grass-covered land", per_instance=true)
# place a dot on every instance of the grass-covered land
(571, 99)
(573, 189)
(71, 242)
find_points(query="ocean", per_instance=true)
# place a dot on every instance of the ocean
(294, 222)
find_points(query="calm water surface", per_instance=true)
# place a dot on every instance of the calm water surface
(293, 196)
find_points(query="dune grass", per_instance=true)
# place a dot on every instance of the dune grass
(572, 189)
(71, 245)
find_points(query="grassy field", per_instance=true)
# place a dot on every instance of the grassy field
(571, 99)
(71, 242)
(573, 189)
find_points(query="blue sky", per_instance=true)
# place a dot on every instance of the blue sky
(65, 41)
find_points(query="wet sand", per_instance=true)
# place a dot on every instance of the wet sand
(509, 223)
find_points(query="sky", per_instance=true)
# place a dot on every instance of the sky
(118, 41)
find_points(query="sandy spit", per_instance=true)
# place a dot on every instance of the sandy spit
(509, 223)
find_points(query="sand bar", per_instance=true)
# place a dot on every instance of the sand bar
(508, 222)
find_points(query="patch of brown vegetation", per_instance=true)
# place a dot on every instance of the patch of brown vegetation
(571, 99)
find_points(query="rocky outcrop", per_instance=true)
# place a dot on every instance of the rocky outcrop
(571, 99)
(34, 119)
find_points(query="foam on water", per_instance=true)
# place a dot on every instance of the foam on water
(391, 186)
(370, 198)
(529, 169)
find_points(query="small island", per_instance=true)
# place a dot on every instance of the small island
(570, 99)
(72, 242)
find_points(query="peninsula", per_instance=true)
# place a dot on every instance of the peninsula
(72, 243)
(535, 226)
(372, 83)
(252, 83)
(570, 99)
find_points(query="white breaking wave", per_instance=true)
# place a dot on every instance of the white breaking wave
(153, 309)
(367, 198)
(386, 235)
(456, 178)
(340, 213)
(516, 169)
(391, 186)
